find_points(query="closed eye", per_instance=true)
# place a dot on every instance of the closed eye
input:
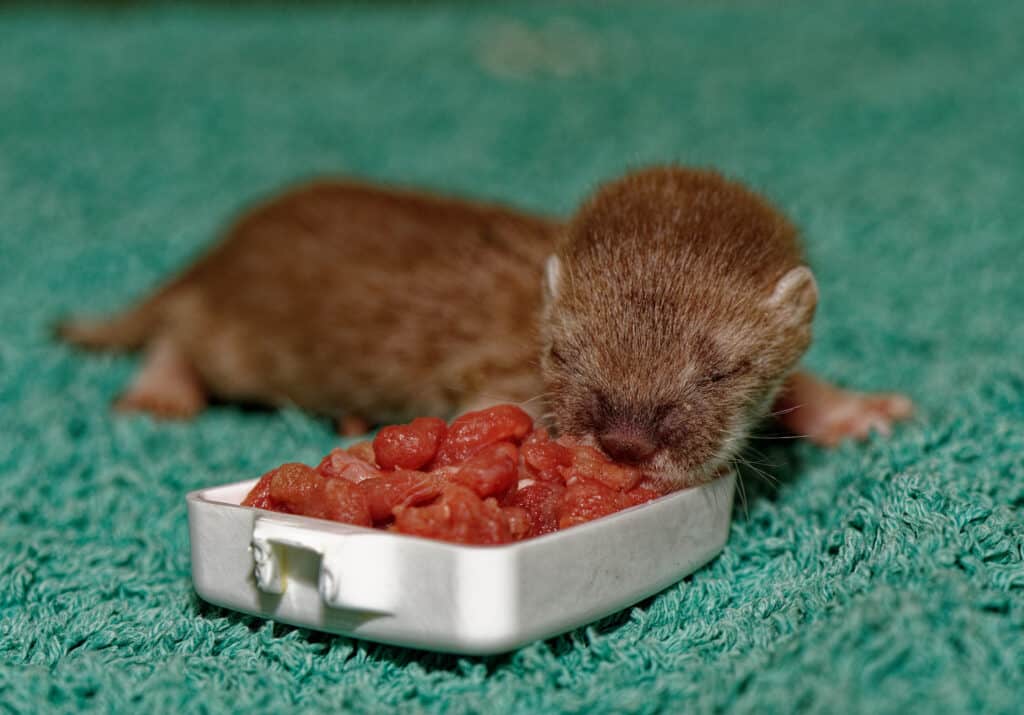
(721, 374)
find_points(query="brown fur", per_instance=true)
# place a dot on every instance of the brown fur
(343, 298)
(664, 338)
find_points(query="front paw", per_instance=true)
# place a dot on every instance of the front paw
(856, 415)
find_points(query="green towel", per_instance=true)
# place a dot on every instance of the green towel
(883, 577)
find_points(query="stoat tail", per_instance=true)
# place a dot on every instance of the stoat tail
(122, 332)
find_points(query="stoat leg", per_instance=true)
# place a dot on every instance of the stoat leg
(351, 426)
(167, 386)
(827, 414)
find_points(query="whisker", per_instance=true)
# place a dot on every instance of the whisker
(760, 472)
(763, 462)
(751, 463)
(741, 490)
(785, 411)
(546, 419)
(541, 396)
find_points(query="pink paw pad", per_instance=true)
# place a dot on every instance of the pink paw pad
(857, 415)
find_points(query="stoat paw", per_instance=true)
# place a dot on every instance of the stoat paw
(856, 415)
(167, 404)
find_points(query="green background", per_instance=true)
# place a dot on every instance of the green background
(884, 577)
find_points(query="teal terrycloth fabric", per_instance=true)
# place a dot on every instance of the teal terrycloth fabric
(884, 577)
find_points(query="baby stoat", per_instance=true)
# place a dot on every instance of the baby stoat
(660, 322)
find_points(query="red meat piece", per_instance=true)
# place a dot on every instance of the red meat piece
(343, 501)
(400, 488)
(340, 464)
(297, 489)
(409, 446)
(543, 457)
(541, 500)
(364, 451)
(588, 463)
(473, 431)
(259, 495)
(587, 499)
(459, 515)
(519, 522)
(492, 472)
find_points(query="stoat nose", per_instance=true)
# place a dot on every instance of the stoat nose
(628, 446)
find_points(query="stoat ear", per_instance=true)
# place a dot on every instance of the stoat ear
(552, 277)
(795, 297)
